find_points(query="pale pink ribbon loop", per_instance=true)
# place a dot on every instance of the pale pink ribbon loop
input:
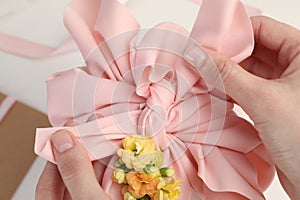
(5, 106)
(144, 86)
(32, 50)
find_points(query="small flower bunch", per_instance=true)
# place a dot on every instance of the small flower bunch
(139, 168)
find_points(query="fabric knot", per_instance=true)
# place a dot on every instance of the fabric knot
(143, 86)
(153, 118)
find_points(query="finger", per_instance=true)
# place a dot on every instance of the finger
(287, 185)
(217, 93)
(94, 117)
(277, 36)
(67, 195)
(266, 55)
(226, 75)
(262, 69)
(263, 63)
(50, 185)
(70, 123)
(75, 167)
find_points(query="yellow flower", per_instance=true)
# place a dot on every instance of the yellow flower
(139, 162)
(126, 157)
(138, 152)
(153, 172)
(174, 194)
(172, 185)
(161, 183)
(139, 144)
(129, 143)
(119, 176)
(140, 184)
(159, 195)
(168, 190)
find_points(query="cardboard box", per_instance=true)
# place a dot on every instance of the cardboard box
(17, 133)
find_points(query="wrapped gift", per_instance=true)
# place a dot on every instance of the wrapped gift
(137, 83)
(17, 131)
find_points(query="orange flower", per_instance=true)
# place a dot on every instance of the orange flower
(140, 184)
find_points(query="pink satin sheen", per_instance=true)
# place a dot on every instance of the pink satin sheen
(5, 106)
(144, 86)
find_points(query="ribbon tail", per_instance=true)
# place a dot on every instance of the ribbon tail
(43, 146)
(91, 136)
(5, 106)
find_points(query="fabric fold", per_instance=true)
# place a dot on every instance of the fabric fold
(139, 84)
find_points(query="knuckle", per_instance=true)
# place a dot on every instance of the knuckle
(46, 188)
(69, 168)
(225, 68)
(49, 183)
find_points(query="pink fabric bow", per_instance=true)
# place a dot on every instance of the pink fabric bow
(142, 85)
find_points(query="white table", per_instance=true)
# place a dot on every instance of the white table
(41, 21)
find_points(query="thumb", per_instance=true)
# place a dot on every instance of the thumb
(225, 75)
(75, 167)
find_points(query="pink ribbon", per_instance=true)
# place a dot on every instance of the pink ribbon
(142, 85)
(29, 49)
(32, 50)
(5, 106)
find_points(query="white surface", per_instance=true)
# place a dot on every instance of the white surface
(41, 21)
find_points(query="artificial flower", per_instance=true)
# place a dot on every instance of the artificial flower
(168, 190)
(128, 196)
(138, 153)
(139, 145)
(139, 169)
(140, 184)
(152, 171)
(167, 172)
(119, 176)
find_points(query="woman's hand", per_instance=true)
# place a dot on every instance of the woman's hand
(74, 176)
(267, 87)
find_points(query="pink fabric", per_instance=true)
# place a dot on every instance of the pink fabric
(142, 85)
(29, 49)
(5, 106)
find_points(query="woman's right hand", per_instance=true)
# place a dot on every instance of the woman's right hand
(267, 87)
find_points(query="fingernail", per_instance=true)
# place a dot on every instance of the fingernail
(94, 117)
(70, 123)
(62, 141)
(195, 56)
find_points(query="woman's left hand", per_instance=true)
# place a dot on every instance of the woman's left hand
(74, 176)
